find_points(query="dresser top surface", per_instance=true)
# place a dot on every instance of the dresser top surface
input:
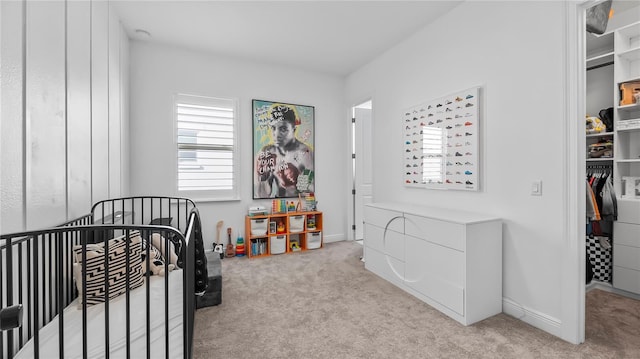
(443, 214)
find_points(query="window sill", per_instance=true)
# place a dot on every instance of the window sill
(212, 199)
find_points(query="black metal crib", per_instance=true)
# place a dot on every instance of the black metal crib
(133, 313)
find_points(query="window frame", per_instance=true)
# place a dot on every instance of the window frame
(232, 194)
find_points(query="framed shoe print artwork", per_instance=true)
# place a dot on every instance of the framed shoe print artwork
(441, 140)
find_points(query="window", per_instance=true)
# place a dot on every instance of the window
(206, 147)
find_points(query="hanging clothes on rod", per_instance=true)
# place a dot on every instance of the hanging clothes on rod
(592, 207)
(609, 203)
(602, 210)
(597, 178)
(602, 196)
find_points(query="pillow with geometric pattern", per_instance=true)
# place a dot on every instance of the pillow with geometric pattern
(116, 264)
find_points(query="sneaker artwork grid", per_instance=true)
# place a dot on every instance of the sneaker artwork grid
(441, 140)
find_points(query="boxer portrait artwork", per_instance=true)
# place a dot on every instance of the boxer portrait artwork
(282, 149)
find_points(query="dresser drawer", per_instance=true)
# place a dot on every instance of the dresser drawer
(446, 234)
(394, 244)
(386, 267)
(628, 211)
(437, 272)
(627, 257)
(373, 237)
(388, 242)
(384, 218)
(626, 279)
(627, 234)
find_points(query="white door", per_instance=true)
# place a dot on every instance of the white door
(362, 171)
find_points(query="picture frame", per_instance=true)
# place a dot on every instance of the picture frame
(441, 142)
(283, 149)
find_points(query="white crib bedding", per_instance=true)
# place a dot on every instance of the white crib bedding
(117, 324)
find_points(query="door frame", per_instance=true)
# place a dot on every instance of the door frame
(573, 266)
(352, 179)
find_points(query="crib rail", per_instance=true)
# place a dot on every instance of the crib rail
(36, 271)
(172, 211)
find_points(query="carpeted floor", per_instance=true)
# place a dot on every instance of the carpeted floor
(324, 304)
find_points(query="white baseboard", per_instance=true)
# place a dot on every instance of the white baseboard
(607, 287)
(537, 319)
(333, 238)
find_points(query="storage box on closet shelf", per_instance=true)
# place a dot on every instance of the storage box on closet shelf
(629, 124)
(630, 187)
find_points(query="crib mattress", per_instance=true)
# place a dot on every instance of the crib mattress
(49, 334)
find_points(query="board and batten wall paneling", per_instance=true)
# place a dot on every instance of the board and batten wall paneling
(99, 101)
(11, 126)
(45, 180)
(60, 75)
(114, 101)
(79, 107)
(125, 163)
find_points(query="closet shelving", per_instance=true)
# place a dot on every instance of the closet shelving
(613, 59)
(600, 54)
(596, 138)
(599, 49)
(626, 244)
(627, 141)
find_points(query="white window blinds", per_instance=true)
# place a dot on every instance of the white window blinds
(206, 139)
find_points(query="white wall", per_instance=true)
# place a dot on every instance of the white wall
(158, 72)
(515, 52)
(63, 152)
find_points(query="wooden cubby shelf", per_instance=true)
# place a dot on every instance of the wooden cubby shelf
(282, 233)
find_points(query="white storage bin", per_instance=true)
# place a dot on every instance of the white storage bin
(296, 223)
(259, 226)
(314, 240)
(278, 244)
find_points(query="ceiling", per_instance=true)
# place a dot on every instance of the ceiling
(334, 37)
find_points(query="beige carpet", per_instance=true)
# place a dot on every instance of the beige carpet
(324, 304)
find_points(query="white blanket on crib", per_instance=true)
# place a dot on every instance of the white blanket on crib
(49, 341)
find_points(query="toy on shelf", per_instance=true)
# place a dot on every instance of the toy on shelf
(311, 221)
(310, 203)
(628, 91)
(258, 211)
(278, 206)
(240, 245)
(294, 243)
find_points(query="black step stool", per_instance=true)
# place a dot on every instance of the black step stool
(213, 295)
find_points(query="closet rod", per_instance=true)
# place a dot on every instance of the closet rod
(599, 66)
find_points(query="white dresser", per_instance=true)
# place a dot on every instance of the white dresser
(626, 246)
(451, 260)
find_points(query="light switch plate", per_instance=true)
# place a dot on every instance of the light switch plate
(536, 188)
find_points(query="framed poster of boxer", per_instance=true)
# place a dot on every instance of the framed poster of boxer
(283, 149)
